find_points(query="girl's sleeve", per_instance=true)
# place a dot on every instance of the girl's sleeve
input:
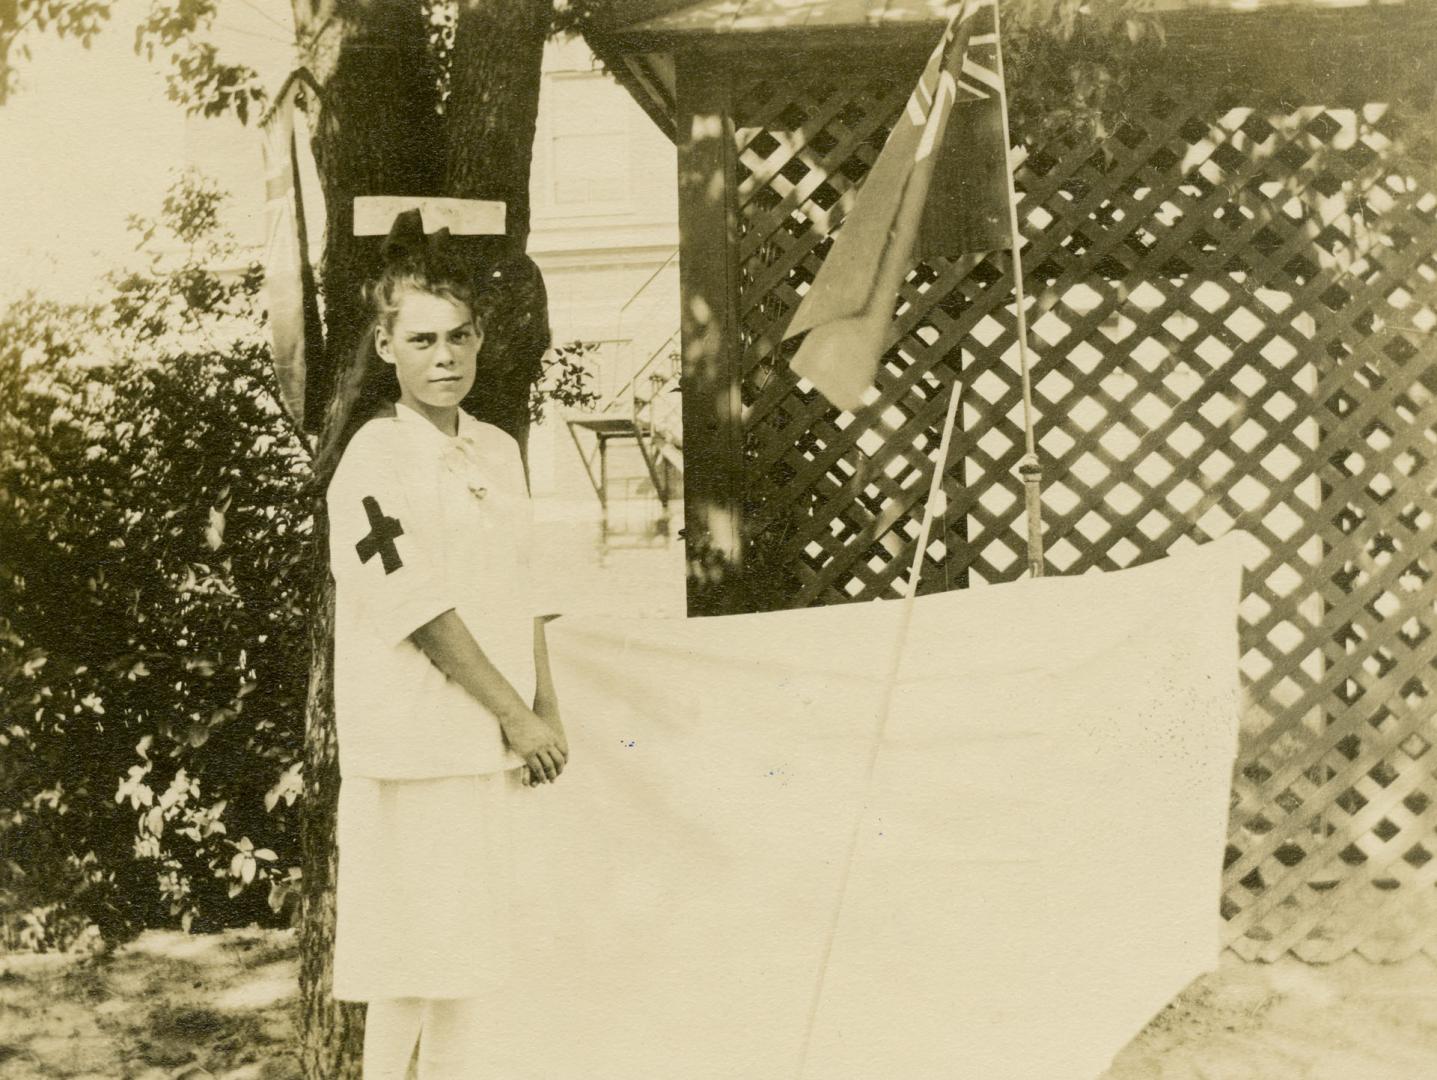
(384, 548)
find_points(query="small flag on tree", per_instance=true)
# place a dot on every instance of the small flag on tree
(291, 294)
(939, 187)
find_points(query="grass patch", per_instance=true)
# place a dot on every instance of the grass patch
(187, 1022)
(85, 982)
(255, 952)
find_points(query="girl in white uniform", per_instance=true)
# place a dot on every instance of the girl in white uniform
(444, 704)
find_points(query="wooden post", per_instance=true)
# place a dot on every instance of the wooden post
(604, 473)
(712, 409)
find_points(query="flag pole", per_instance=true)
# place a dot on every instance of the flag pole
(1030, 468)
(936, 504)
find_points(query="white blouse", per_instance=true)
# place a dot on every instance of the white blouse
(420, 523)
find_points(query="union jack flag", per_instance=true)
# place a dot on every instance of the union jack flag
(939, 187)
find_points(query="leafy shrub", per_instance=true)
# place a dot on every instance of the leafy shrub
(153, 657)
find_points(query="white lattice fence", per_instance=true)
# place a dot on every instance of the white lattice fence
(1236, 304)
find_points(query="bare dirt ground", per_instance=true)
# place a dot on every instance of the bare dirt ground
(225, 1003)
(1349, 1020)
(153, 1009)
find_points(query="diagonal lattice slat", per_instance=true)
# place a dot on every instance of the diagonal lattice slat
(1235, 309)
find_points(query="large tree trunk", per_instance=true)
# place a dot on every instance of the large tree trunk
(379, 133)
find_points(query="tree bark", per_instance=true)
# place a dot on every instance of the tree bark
(492, 109)
(379, 133)
(494, 103)
(331, 1033)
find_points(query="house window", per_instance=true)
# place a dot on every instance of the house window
(589, 155)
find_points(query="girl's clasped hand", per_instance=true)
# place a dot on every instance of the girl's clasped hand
(539, 739)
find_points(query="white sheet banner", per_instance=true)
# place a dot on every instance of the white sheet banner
(1040, 858)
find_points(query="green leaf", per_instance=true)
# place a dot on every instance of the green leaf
(215, 529)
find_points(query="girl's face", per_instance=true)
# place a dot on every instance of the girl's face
(433, 346)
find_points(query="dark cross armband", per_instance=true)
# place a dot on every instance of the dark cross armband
(380, 541)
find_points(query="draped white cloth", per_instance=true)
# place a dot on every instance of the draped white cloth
(1040, 856)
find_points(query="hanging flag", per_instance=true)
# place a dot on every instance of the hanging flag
(939, 187)
(290, 291)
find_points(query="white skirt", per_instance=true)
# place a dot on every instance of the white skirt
(424, 885)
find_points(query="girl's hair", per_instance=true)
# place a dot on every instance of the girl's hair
(430, 275)
(367, 385)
